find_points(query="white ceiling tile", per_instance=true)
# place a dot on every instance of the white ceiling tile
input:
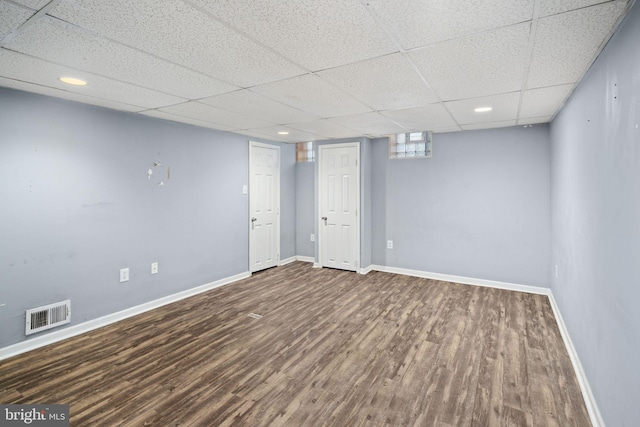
(254, 105)
(490, 125)
(505, 107)
(384, 83)
(419, 23)
(312, 94)
(324, 128)
(534, 120)
(176, 31)
(253, 134)
(21, 67)
(149, 54)
(427, 117)
(271, 133)
(566, 44)
(180, 119)
(60, 42)
(11, 17)
(477, 65)
(315, 34)
(63, 94)
(552, 7)
(544, 101)
(227, 120)
(33, 4)
(447, 129)
(369, 124)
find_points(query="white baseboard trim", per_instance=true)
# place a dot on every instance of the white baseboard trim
(366, 270)
(81, 328)
(585, 388)
(296, 258)
(288, 260)
(463, 280)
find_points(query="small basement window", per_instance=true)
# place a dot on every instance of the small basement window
(410, 145)
(304, 152)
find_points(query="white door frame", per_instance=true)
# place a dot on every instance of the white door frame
(322, 147)
(253, 144)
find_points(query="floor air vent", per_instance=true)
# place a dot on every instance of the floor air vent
(48, 316)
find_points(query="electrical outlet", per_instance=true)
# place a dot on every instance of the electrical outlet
(154, 268)
(245, 189)
(389, 244)
(313, 237)
(124, 275)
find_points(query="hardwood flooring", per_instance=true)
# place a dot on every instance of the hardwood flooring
(332, 348)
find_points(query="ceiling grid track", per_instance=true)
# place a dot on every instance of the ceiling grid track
(243, 33)
(36, 16)
(384, 28)
(527, 62)
(316, 69)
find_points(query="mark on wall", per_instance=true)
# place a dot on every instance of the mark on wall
(159, 165)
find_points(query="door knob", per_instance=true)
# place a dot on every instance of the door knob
(254, 219)
(324, 218)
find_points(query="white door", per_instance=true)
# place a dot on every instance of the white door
(339, 191)
(264, 206)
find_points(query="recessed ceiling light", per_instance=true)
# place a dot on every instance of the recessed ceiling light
(283, 132)
(72, 81)
(483, 109)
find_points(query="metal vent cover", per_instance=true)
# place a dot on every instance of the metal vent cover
(47, 317)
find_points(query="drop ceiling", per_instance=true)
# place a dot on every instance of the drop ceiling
(318, 69)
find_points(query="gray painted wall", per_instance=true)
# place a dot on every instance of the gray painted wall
(379, 159)
(596, 223)
(305, 214)
(287, 201)
(479, 208)
(77, 206)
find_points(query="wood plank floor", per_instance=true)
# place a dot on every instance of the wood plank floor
(332, 348)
